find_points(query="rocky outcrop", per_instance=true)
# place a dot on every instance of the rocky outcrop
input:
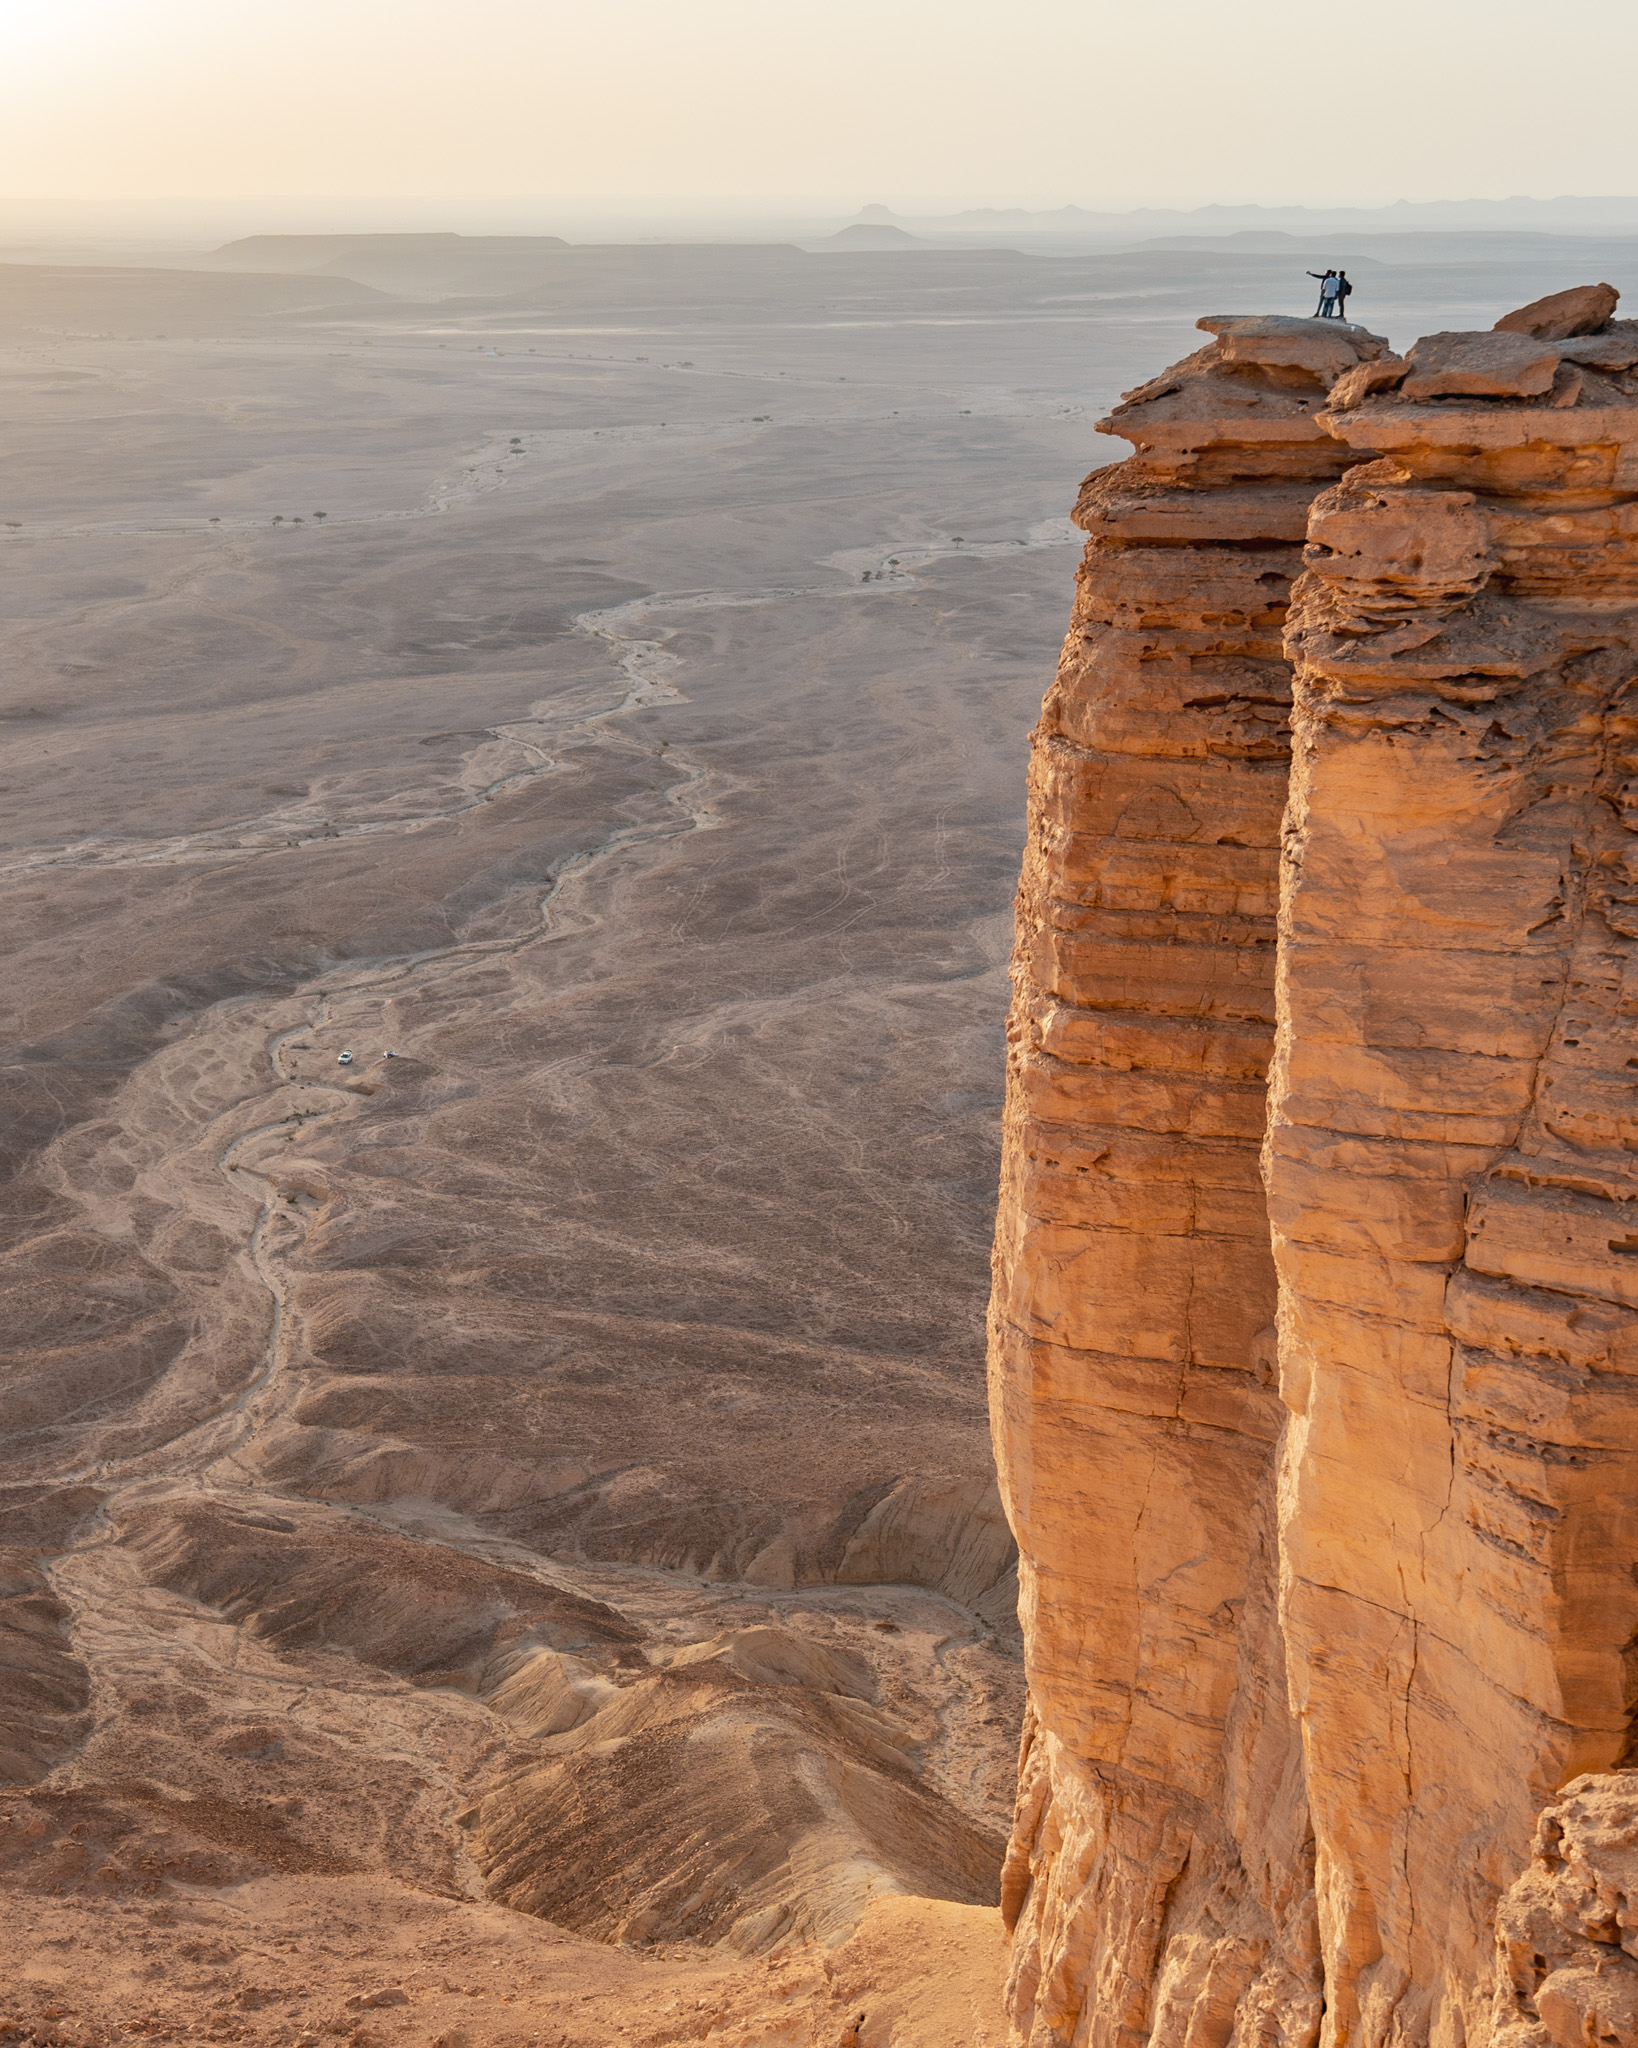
(1450, 1173)
(1584, 309)
(1162, 1831)
(1306, 1661)
(1567, 1930)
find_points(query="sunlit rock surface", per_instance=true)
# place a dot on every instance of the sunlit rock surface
(1316, 1623)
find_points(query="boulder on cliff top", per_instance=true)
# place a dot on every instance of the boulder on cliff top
(1325, 348)
(1494, 365)
(1562, 315)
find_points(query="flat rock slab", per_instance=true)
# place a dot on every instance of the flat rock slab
(1615, 347)
(1327, 348)
(1506, 365)
(1366, 343)
(1583, 309)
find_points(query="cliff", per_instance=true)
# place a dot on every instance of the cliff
(1328, 1041)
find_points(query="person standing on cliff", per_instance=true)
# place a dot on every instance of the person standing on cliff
(1327, 306)
(1343, 289)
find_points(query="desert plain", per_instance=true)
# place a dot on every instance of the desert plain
(513, 799)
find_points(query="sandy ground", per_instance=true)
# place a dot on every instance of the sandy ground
(511, 811)
(373, 1963)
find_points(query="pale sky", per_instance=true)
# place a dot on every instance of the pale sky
(909, 102)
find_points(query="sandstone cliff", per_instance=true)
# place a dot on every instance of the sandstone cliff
(1316, 1625)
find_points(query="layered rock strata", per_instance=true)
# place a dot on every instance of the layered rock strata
(1161, 1828)
(1307, 1659)
(1450, 1166)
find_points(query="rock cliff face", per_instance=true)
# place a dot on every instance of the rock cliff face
(1318, 1622)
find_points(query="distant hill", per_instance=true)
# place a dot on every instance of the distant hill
(1415, 245)
(1563, 216)
(417, 265)
(128, 302)
(871, 235)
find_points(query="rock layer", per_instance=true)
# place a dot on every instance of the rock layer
(1450, 1171)
(1304, 1665)
(1132, 1352)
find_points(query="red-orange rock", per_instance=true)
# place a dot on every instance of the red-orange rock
(1275, 1784)
(1448, 1189)
(1581, 310)
(1359, 382)
(1567, 1931)
(1160, 1850)
(1496, 365)
(1614, 347)
(1324, 348)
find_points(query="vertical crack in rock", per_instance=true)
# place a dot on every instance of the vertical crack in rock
(1449, 1159)
(1158, 1876)
(1307, 1660)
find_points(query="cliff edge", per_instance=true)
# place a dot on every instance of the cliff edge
(1313, 1325)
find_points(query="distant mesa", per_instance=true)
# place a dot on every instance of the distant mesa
(872, 235)
(333, 252)
(1277, 240)
(419, 265)
(1279, 229)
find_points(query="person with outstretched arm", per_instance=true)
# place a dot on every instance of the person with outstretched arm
(1327, 306)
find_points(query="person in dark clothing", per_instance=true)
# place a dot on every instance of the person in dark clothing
(1343, 289)
(1326, 309)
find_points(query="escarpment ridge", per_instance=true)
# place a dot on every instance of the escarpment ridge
(1314, 1316)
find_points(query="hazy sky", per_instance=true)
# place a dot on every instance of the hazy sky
(904, 101)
